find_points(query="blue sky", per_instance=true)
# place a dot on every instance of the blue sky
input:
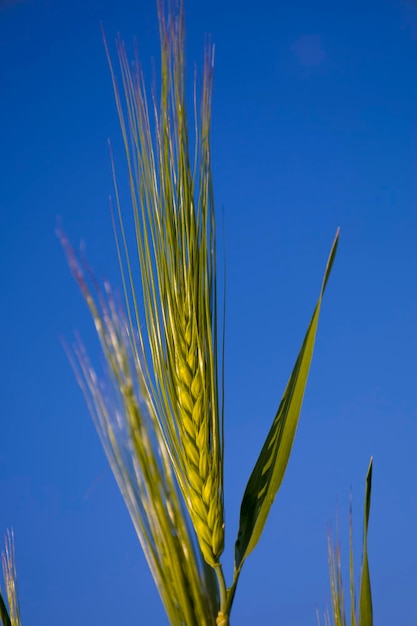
(314, 127)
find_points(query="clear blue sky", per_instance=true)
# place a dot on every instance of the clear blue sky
(314, 127)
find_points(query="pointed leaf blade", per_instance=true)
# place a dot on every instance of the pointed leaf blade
(365, 598)
(270, 467)
(4, 616)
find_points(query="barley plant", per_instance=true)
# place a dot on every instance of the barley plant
(11, 617)
(360, 615)
(159, 406)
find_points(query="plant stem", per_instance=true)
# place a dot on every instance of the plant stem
(231, 591)
(223, 615)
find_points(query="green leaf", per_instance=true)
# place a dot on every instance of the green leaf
(270, 467)
(365, 598)
(4, 616)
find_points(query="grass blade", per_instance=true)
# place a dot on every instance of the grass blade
(4, 616)
(365, 598)
(270, 467)
(335, 573)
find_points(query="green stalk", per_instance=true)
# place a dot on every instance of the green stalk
(223, 615)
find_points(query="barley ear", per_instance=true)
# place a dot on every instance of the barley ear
(336, 583)
(173, 215)
(124, 414)
(10, 578)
